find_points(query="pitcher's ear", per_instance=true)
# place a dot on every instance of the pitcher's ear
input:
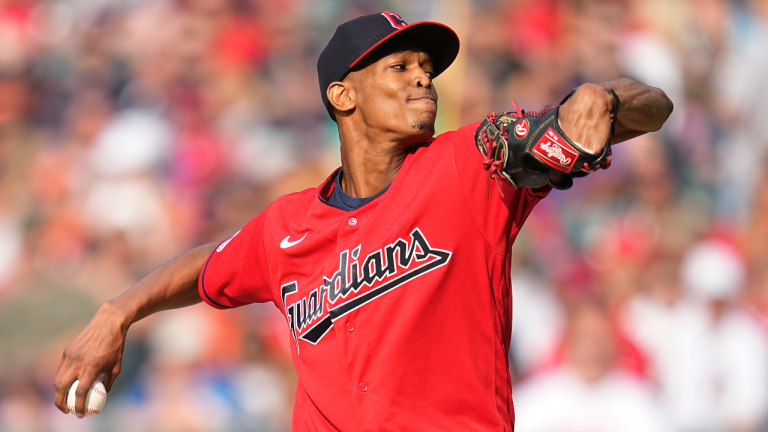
(341, 96)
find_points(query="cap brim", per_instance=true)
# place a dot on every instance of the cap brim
(437, 40)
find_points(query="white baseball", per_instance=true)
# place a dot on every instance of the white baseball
(94, 401)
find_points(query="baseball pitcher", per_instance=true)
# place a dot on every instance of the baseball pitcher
(393, 274)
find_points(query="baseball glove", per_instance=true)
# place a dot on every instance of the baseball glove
(522, 147)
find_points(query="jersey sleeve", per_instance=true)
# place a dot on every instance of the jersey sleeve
(236, 273)
(499, 210)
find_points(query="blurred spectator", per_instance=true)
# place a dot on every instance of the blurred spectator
(587, 392)
(538, 323)
(708, 355)
(742, 93)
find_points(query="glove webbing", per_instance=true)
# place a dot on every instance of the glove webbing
(495, 152)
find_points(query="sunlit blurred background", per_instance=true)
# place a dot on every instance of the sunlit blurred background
(132, 130)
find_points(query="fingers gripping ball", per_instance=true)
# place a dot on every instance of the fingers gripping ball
(522, 147)
(94, 401)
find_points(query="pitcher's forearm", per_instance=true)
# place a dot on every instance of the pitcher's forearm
(170, 286)
(643, 108)
(98, 349)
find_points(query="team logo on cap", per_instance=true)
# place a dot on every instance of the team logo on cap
(395, 20)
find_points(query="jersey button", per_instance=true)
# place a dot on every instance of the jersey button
(363, 387)
(352, 221)
(350, 327)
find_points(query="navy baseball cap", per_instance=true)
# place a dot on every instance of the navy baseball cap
(357, 38)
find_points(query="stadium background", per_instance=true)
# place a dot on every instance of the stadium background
(132, 130)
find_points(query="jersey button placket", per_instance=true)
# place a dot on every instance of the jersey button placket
(352, 222)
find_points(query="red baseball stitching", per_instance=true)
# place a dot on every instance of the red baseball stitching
(98, 391)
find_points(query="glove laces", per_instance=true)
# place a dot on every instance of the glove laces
(495, 153)
(494, 156)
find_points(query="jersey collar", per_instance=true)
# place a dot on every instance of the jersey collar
(325, 189)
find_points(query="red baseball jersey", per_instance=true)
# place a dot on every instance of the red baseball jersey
(399, 312)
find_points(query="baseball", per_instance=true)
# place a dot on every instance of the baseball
(94, 401)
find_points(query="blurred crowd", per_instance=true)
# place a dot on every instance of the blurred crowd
(133, 130)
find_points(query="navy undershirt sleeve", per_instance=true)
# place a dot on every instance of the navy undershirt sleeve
(342, 201)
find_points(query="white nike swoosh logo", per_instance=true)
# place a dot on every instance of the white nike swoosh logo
(286, 244)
